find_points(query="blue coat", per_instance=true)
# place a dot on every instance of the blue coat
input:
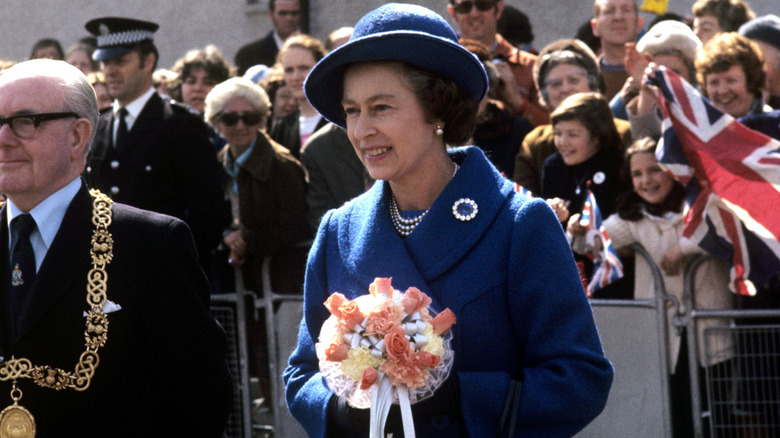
(509, 277)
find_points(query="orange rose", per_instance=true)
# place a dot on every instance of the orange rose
(414, 300)
(428, 360)
(369, 378)
(381, 286)
(336, 352)
(350, 314)
(334, 301)
(443, 321)
(384, 318)
(397, 346)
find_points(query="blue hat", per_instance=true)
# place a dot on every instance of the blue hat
(395, 32)
(117, 36)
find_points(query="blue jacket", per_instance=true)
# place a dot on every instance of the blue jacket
(509, 277)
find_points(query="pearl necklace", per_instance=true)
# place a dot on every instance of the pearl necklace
(406, 226)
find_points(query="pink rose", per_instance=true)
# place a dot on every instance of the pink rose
(370, 376)
(443, 321)
(334, 301)
(381, 286)
(350, 314)
(384, 318)
(428, 360)
(414, 300)
(336, 352)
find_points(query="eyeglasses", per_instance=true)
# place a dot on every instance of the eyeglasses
(249, 118)
(465, 6)
(25, 125)
(572, 79)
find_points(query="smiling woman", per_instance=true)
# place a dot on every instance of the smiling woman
(731, 73)
(443, 220)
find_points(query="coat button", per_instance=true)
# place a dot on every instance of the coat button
(114, 190)
(114, 164)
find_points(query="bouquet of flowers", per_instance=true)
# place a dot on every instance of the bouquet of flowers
(385, 347)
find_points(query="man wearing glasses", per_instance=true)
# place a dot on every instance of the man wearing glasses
(105, 328)
(477, 20)
(285, 16)
(148, 152)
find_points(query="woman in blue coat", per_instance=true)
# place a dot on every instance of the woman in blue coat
(445, 221)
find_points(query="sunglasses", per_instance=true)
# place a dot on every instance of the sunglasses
(464, 7)
(249, 118)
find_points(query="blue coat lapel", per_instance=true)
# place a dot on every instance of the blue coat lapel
(371, 247)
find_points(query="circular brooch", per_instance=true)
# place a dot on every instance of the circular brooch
(464, 209)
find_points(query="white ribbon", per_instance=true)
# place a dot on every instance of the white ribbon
(381, 399)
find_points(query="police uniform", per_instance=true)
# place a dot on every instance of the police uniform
(166, 162)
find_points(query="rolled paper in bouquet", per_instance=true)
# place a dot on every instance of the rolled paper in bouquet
(385, 347)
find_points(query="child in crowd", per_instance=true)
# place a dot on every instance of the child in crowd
(589, 156)
(651, 215)
(589, 153)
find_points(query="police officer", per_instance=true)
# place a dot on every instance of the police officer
(149, 152)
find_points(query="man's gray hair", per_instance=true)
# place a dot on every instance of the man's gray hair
(78, 95)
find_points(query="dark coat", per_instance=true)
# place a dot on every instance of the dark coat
(262, 51)
(162, 371)
(560, 180)
(767, 123)
(286, 131)
(272, 213)
(167, 165)
(336, 174)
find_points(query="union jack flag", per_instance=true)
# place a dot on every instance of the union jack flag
(607, 267)
(731, 176)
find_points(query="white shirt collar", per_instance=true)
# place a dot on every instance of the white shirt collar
(48, 215)
(135, 107)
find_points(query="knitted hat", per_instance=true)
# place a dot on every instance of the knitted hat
(670, 35)
(765, 28)
(395, 32)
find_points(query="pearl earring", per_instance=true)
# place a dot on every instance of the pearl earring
(439, 131)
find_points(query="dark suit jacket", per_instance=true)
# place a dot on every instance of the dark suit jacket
(262, 51)
(336, 174)
(168, 165)
(286, 131)
(163, 369)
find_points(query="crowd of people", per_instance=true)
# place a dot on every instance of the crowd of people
(255, 154)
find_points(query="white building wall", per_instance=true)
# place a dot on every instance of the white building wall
(187, 24)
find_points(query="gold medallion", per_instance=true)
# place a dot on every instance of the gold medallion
(16, 421)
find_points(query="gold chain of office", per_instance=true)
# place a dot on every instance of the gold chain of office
(96, 333)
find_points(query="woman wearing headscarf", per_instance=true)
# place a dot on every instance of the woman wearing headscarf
(445, 221)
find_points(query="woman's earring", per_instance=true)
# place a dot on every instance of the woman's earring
(439, 131)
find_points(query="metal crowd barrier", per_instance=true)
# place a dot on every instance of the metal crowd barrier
(752, 381)
(229, 311)
(634, 336)
(283, 314)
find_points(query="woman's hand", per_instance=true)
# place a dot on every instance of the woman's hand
(574, 227)
(560, 207)
(508, 90)
(237, 246)
(671, 261)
